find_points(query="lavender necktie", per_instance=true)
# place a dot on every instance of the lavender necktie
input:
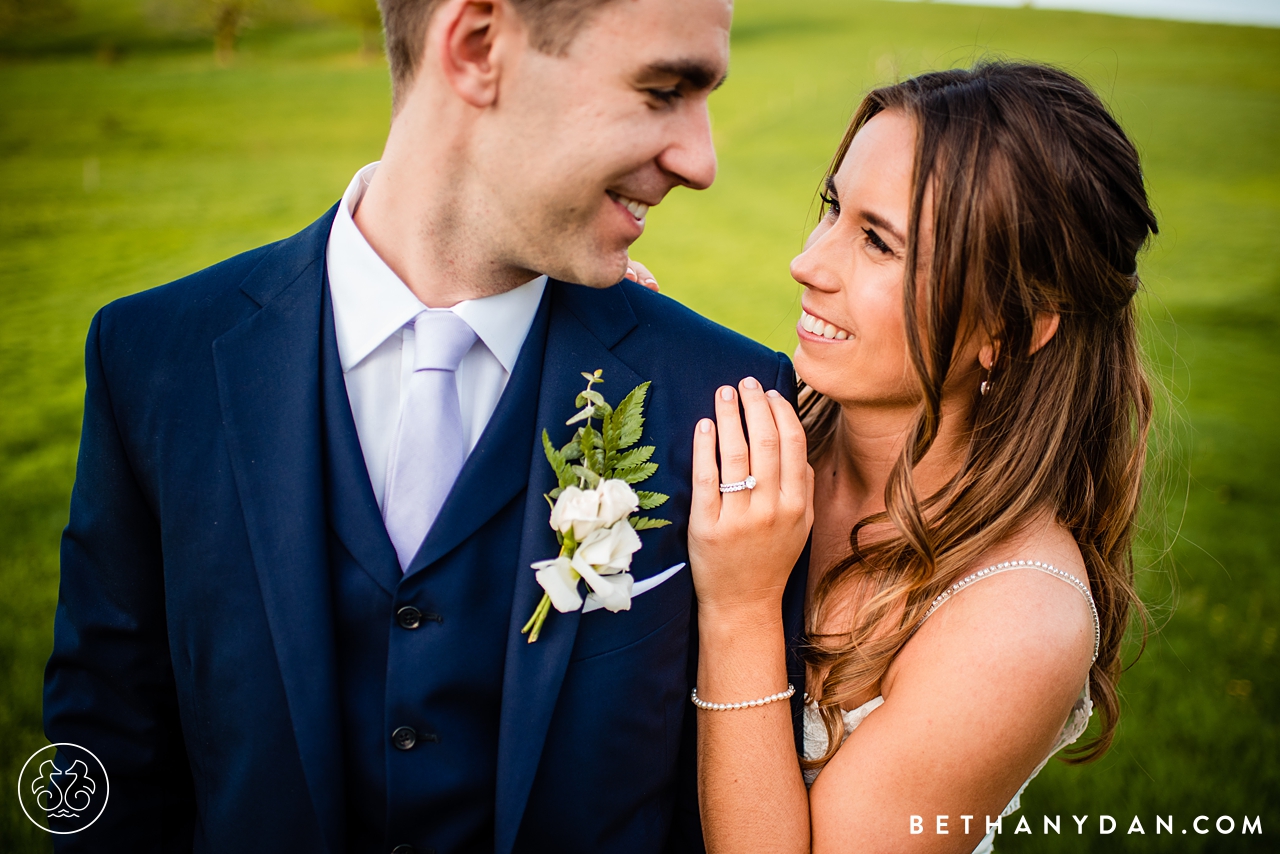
(429, 447)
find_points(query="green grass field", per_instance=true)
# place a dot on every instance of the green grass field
(117, 177)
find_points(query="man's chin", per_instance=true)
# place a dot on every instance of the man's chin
(597, 274)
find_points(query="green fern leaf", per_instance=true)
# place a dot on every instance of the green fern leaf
(633, 457)
(650, 500)
(637, 473)
(564, 474)
(644, 523)
(628, 416)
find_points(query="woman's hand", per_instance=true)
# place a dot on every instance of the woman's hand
(640, 274)
(743, 545)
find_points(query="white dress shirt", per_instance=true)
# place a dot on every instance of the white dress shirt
(373, 312)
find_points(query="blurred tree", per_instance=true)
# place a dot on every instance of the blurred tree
(362, 14)
(228, 18)
(223, 19)
(17, 15)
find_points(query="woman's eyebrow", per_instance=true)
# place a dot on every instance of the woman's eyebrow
(829, 187)
(880, 222)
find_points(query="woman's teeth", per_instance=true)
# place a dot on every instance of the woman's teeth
(819, 327)
(637, 209)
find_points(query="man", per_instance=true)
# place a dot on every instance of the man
(310, 481)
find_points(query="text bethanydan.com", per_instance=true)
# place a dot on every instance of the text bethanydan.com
(1103, 824)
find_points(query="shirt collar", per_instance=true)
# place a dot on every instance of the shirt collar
(502, 321)
(371, 303)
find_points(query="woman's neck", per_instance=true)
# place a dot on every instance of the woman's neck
(851, 476)
(869, 442)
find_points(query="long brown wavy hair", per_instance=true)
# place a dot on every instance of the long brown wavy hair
(1038, 206)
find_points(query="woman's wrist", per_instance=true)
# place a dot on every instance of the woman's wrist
(741, 652)
(740, 622)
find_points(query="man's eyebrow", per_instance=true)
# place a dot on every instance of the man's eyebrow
(697, 74)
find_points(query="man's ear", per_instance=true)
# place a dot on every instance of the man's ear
(466, 34)
(1046, 326)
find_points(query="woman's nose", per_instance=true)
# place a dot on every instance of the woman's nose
(807, 269)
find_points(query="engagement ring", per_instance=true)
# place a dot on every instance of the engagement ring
(749, 483)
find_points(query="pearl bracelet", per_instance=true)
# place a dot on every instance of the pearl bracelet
(728, 707)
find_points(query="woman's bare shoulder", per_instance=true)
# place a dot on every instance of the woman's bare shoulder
(1020, 621)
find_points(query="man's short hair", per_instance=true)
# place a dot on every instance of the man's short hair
(552, 25)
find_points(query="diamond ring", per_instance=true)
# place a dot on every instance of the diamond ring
(749, 483)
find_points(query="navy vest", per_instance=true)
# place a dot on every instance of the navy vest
(420, 654)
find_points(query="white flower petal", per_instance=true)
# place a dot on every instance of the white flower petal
(559, 579)
(609, 550)
(613, 591)
(577, 510)
(617, 501)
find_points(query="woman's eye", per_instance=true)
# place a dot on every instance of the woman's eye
(874, 240)
(832, 204)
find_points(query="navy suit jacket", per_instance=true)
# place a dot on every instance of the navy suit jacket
(194, 636)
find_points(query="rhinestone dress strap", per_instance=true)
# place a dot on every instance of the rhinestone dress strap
(1022, 564)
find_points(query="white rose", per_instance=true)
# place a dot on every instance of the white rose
(558, 578)
(579, 510)
(609, 550)
(613, 591)
(617, 501)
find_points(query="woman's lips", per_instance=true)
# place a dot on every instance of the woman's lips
(819, 328)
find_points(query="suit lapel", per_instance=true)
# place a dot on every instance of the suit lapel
(353, 508)
(584, 325)
(268, 370)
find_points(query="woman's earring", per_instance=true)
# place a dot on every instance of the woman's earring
(988, 384)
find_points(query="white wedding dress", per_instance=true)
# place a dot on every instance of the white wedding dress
(815, 734)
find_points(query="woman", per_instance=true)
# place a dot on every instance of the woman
(976, 417)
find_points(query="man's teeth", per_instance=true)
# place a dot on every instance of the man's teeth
(637, 209)
(809, 323)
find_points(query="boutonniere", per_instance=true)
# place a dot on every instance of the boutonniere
(593, 508)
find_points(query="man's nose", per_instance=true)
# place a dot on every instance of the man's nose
(691, 156)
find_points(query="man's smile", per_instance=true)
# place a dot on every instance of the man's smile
(636, 208)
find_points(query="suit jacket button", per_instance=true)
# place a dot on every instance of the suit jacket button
(404, 738)
(409, 617)
(403, 849)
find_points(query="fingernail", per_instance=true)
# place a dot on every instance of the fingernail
(651, 281)
(631, 274)
(726, 393)
(704, 426)
(750, 382)
(773, 392)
